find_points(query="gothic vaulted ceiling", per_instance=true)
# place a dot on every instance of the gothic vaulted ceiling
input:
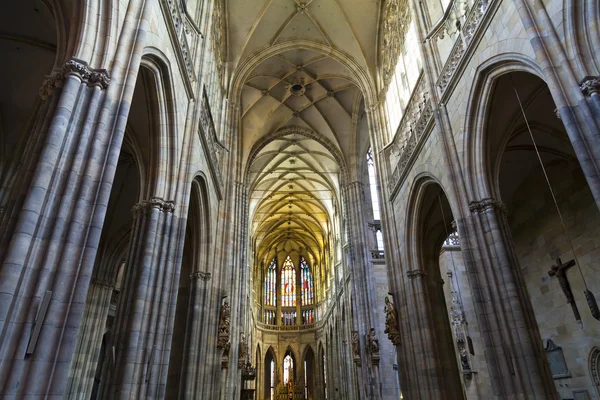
(300, 104)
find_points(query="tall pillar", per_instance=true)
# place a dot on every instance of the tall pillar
(50, 231)
(199, 351)
(143, 323)
(513, 347)
(89, 340)
(362, 282)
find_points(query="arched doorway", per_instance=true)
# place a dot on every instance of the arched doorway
(269, 375)
(188, 341)
(309, 374)
(430, 222)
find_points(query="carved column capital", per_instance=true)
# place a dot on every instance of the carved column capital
(154, 202)
(103, 284)
(590, 85)
(74, 67)
(485, 205)
(416, 273)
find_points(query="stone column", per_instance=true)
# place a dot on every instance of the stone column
(517, 364)
(50, 231)
(357, 262)
(199, 351)
(89, 340)
(433, 381)
(590, 87)
(141, 333)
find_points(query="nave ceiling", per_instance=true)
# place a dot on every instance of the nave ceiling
(300, 105)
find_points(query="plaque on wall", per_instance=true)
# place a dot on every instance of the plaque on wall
(581, 395)
(556, 359)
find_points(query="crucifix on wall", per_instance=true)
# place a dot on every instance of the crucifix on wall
(560, 271)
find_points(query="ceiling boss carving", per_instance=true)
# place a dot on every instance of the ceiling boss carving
(396, 20)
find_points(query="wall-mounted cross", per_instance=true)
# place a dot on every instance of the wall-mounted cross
(560, 271)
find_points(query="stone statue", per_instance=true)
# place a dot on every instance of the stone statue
(373, 345)
(373, 342)
(224, 323)
(355, 348)
(464, 359)
(243, 353)
(224, 319)
(391, 322)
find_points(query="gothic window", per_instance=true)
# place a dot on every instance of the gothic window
(270, 284)
(288, 283)
(373, 185)
(308, 317)
(374, 196)
(308, 293)
(288, 318)
(270, 317)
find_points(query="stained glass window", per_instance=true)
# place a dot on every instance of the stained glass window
(270, 317)
(288, 318)
(270, 284)
(308, 293)
(308, 317)
(288, 283)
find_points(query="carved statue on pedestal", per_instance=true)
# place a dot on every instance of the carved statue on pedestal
(373, 344)
(391, 322)
(224, 321)
(243, 351)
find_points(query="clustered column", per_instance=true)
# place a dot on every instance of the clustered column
(49, 229)
(143, 326)
(513, 347)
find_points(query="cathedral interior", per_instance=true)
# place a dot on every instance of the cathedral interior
(300, 199)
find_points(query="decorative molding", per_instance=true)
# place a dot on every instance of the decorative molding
(205, 276)
(395, 23)
(487, 204)
(158, 203)
(211, 143)
(590, 85)
(74, 67)
(451, 20)
(472, 28)
(248, 372)
(410, 134)
(178, 26)
(219, 35)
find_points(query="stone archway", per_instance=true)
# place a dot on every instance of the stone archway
(595, 368)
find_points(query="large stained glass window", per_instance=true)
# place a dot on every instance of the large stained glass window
(271, 284)
(288, 283)
(308, 292)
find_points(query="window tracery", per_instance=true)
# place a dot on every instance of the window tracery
(307, 285)
(288, 283)
(271, 284)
